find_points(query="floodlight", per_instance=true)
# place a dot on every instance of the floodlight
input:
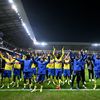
(14, 8)
(36, 43)
(24, 25)
(95, 44)
(10, 1)
(43, 43)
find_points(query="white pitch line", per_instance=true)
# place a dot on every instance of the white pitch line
(49, 90)
(74, 90)
(14, 90)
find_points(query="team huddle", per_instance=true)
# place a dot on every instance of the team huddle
(52, 67)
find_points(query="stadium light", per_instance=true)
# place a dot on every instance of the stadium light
(39, 43)
(95, 44)
(36, 43)
(43, 43)
(24, 25)
(29, 34)
(10, 1)
(14, 8)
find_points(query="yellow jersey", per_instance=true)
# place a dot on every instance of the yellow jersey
(33, 65)
(58, 63)
(17, 65)
(51, 65)
(8, 64)
(67, 64)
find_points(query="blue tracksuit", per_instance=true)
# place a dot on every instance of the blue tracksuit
(77, 68)
(96, 63)
(76, 62)
(27, 67)
(77, 65)
(41, 69)
(27, 64)
(83, 61)
(42, 65)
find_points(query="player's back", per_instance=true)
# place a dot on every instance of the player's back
(97, 64)
(42, 67)
(76, 65)
(27, 65)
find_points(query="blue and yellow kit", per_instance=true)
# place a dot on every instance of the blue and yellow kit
(17, 67)
(33, 68)
(8, 66)
(51, 67)
(58, 64)
(66, 68)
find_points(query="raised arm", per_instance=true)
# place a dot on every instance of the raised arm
(54, 51)
(1, 55)
(72, 55)
(68, 55)
(35, 60)
(46, 62)
(62, 51)
(84, 55)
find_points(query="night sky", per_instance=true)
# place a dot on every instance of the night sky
(57, 20)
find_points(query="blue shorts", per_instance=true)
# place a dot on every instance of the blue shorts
(33, 71)
(58, 72)
(7, 73)
(97, 74)
(27, 75)
(66, 72)
(40, 78)
(51, 72)
(16, 72)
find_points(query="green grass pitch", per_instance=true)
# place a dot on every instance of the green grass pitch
(47, 94)
(51, 95)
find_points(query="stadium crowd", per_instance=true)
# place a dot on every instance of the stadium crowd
(52, 67)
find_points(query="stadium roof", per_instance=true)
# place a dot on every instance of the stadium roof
(17, 30)
(11, 24)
